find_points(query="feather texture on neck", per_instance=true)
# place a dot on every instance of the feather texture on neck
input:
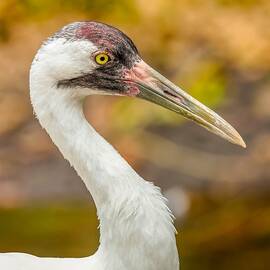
(136, 229)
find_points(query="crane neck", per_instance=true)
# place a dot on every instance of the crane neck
(136, 230)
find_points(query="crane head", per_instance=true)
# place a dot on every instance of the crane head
(95, 58)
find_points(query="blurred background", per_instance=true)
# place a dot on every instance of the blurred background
(218, 50)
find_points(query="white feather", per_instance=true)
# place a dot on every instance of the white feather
(136, 229)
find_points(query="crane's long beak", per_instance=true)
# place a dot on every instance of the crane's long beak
(157, 89)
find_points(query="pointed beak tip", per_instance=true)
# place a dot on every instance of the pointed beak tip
(238, 140)
(157, 89)
(242, 143)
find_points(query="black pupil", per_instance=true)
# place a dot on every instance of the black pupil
(102, 58)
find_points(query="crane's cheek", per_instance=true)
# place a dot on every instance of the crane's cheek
(138, 73)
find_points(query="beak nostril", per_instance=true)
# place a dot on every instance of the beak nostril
(170, 94)
(174, 96)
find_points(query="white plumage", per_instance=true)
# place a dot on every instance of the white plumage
(136, 228)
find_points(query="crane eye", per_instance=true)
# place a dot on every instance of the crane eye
(102, 58)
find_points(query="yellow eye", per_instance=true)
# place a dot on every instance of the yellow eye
(102, 58)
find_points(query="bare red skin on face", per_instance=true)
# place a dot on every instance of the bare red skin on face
(138, 73)
(96, 33)
(132, 91)
(103, 36)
